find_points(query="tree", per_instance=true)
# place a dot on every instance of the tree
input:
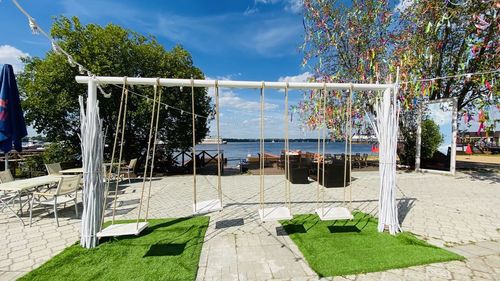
(344, 44)
(426, 39)
(348, 42)
(367, 40)
(431, 138)
(441, 38)
(50, 92)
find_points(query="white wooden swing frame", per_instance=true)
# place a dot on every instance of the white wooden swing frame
(387, 206)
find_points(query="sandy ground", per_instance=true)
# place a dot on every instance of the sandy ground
(475, 158)
(480, 158)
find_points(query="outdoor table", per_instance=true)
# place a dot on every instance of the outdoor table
(23, 186)
(79, 170)
(72, 171)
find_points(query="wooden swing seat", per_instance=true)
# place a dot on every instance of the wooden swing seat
(122, 229)
(274, 214)
(334, 213)
(208, 206)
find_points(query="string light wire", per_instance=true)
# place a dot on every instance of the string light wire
(468, 75)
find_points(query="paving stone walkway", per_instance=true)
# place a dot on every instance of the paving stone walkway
(461, 213)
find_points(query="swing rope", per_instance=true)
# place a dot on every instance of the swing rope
(350, 145)
(122, 141)
(324, 147)
(219, 184)
(193, 124)
(346, 138)
(147, 155)
(123, 101)
(261, 160)
(157, 88)
(318, 164)
(287, 149)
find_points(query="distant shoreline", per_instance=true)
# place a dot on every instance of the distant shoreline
(290, 140)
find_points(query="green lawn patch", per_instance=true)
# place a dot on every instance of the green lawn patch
(169, 249)
(351, 247)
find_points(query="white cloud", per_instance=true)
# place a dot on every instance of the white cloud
(253, 121)
(268, 37)
(294, 6)
(403, 5)
(273, 38)
(211, 34)
(250, 11)
(440, 113)
(12, 55)
(230, 100)
(211, 90)
(267, 1)
(297, 78)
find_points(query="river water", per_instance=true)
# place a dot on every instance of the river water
(235, 151)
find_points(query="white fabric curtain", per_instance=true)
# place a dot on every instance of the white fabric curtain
(93, 188)
(386, 128)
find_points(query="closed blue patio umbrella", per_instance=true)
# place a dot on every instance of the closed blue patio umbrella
(12, 124)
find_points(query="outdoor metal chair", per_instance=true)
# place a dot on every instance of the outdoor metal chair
(6, 176)
(53, 169)
(129, 169)
(357, 159)
(364, 159)
(65, 192)
(6, 197)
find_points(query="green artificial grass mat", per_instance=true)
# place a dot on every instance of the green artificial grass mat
(335, 248)
(169, 249)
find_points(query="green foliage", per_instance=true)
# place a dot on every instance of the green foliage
(169, 249)
(431, 138)
(352, 247)
(34, 163)
(408, 142)
(347, 41)
(440, 38)
(58, 152)
(50, 93)
(366, 40)
(344, 43)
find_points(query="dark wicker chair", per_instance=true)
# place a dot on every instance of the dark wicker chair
(299, 170)
(334, 174)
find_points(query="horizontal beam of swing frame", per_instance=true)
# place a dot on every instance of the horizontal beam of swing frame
(171, 82)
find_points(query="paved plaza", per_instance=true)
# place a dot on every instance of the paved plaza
(461, 213)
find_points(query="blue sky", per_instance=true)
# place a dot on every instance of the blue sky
(238, 40)
(442, 114)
